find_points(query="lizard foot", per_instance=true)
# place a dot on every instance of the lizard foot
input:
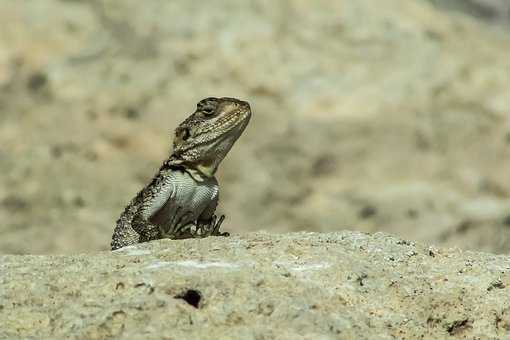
(199, 230)
(212, 227)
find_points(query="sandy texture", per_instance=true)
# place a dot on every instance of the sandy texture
(389, 115)
(341, 285)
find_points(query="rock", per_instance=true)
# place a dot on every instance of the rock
(259, 286)
(400, 105)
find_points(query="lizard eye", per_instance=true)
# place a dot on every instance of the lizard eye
(208, 110)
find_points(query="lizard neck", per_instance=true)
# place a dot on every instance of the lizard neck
(199, 174)
(199, 171)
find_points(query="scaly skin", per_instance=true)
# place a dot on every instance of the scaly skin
(182, 197)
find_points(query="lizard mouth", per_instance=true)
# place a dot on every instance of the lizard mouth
(242, 118)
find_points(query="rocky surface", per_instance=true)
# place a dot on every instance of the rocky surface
(342, 285)
(388, 115)
(497, 11)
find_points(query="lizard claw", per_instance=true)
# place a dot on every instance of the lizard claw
(217, 225)
(211, 228)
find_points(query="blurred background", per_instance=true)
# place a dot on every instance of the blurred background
(389, 115)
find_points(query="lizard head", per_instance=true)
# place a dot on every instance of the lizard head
(204, 138)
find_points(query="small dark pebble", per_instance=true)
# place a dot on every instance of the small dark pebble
(79, 202)
(412, 213)
(367, 211)
(496, 284)
(506, 221)
(132, 113)
(37, 81)
(14, 203)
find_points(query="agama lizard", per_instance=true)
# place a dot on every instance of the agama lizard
(181, 199)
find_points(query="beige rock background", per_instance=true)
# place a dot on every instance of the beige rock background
(342, 285)
(369, 115)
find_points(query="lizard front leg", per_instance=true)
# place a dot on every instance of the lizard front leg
(150, 204)
(181, 228)
(207, 224)
(211, 227)
(201, 229)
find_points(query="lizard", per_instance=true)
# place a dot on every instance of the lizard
(181, 200)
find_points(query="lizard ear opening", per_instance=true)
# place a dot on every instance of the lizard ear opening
(182, 134)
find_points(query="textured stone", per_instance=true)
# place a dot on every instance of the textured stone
(398, 105)
(343, 285)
